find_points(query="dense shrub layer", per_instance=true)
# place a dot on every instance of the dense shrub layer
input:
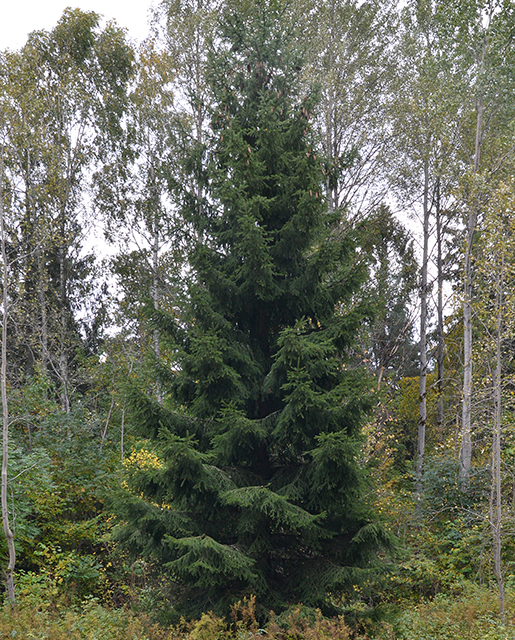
(473, 615)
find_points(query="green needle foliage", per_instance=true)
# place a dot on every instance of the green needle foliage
(252, 484)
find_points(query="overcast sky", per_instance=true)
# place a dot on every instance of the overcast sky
(19, 17)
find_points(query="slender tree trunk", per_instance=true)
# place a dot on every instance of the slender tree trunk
(43, 310)
(122, 432)
(155, 286)
(29, 231)
(496, 504)
(106, 426)
(332, 186)
(422, 395)
(63, 356)
(331, 189)
(199, 119)
(63, 272)
(9, 574)
(466, 418)
(440, 329)
(155, 282)
(466, 437)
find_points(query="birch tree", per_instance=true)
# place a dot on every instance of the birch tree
(495, 310)
(133, 192)
(186, 28)
(348, 49)
(423, 117)
(9, 572)
(481, 50)
(64, 94)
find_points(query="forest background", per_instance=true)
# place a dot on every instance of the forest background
(299, 353)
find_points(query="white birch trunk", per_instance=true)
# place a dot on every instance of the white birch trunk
(63, 357)
(466, 418)
(422, 394)
(440, 329)
(155, 296)
(9, 573)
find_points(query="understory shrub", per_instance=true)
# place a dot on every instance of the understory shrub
(473, 615)
(54, 620)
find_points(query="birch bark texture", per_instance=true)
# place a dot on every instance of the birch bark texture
(9, 572)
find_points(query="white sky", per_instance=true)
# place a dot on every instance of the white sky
(19, 17)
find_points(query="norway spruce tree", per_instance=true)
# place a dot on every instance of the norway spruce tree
(250, 481)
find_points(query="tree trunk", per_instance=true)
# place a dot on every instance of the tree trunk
(440, 328)
(106, 426)
(122, 432)
(9, 573)
(155, 275)
(43, 309)
(63, 356)
(466, 424)
(495, 504)
(331, 146)
(422, 395)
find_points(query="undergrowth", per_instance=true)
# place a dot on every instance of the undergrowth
(474, 615)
